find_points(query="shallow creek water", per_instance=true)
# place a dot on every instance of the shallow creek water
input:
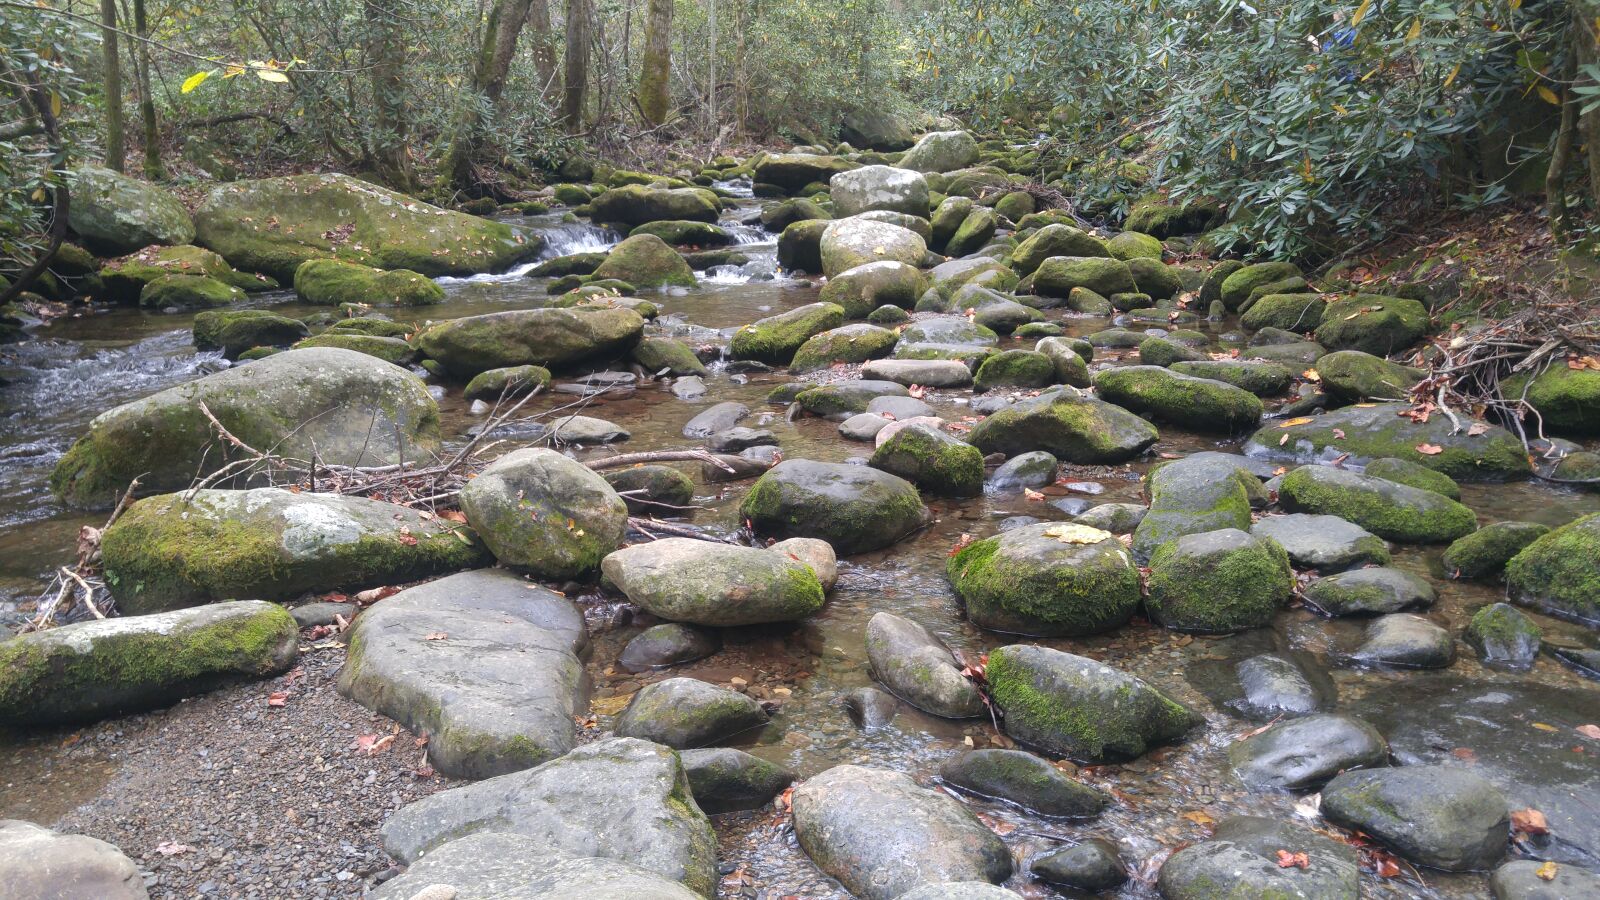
(87, 364)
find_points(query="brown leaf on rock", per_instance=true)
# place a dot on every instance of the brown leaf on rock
(1529, 821)
(1590, 731)
(278, 698)
(1297, 860)
(1547, 872)
(436, 635)
(1429, 449)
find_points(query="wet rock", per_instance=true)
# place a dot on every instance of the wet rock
(1273, 685)
(1372, 591)
(960, 890)
(870, 707)
(841, 399)
(879, 187)
(92, 669)
(847, 243)
(687, 712)
(233, 331)
(500, 864)
(178, 550)
(1394, 511)
(1026, 780)
(689, 388)
(1075, 707)
(1557, 573)
(1015, 369)
(1353, 376)
(948, 330)
(1520, 879)
(1048, 579)
(863, 426)
(569, 264)
(930, 373)
(933, 460)
(333, 282)
(1324, 543)
(652, 490)
(1372, 323)
(505, 383)
(1264, 379)
(1195, 403)
(871, 285)
(523, 502)
(941, 151)
(1405, 472)
(1117, 518)
(1025, 470)
(717, 418)
(739, 438)
(1066, 354)
(482, 662)
(342, 407)
(635, 204)
(310, 615)
(552, 807)
(1404, 641)
(1192, 496)
(728, 780)
(1305, 752)
(706, 583)
(1220, 581)
(919, 668)
(1076, 429)
(390, 350)
(817, 554)
(1434, 816)
(552, 338)
(854, 508)
(1374, 432)
(1300, 312)
(1160, 352)
(658, 354)
(849, 344)
(1059, 276)
(1296, 355)
(1486, 551)
(800, 246)
(1565, 399)
(36, 862)
(1236, 288)
(1093, 865)
(776, 339)
(882, 835)
(793, 171)
(666, 645)
(1504, 636)
(1241, 860)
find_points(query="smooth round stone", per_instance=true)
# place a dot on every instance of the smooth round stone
(1404, 641)
(1325, 543)
(1094, 865)
(717, 418)
(818, 554)
(936, 373)
(1117, 518)
(1504, 636)
(727, 780)
(1026, 780)
(1272, 685)
(871, 707)
(1444, 817)
(665, 645)
(1305, 752)
(862, 426)
(685, 712)
(1520, 879)
(1073, 506)
(1011, 522)
(919, 668)
(689, 387)
(738, 439)
(900, 407)
(1240, 860)
(1025, 470)
(1373, 591)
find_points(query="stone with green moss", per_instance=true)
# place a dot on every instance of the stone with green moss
(120, 214)
(124, 278)
(855, 508)
(1195, 403)
(1236, 287)
(686, 233)
(1154, 277)
(858, 240)
(1557, 573)
(570, 194)
(1014, 205)
(273, 225)
(947, 219)
(933, 460)
(1080, 708)
(656, 354)
(649, 489)
(1404, 471)
(1055, 240)
(795, 171)
(780, 216)
(888, 316)
(864, 288)
(1015, 369)
(636, 204)
(849, 344)
(975, 231)
(390, 350)
(1504, 636)
(1047, 579)
(729, 780)
(506, 383)
(93, 669)
(775, 339)
(1442, 816)
(1374, 590)
(1191, 496)
(233, 331)
(1264, 379)
(646, 261)
(1211, 288)
(188, 292)
(1162, 219)
(334, 282)
(1240, 862)
(1130, 301)
(571, 264)
(949, 330)
(1057, 276)
(1161, 352)
(1067, 355)
(1324, 543)
(1076, 429)
(541, 512)
(553, 338)
(1039, 330)
(176, 550)
(686, 712)
(1217, 582)
(1353, 376)
(1477, 451)
(1390, 510)
(372, 325)
(1294, 284)
(1083, 300)
(1566, 399)
(918, 668)
(1030, 782)
(1132, 244)
(721, 585)
(1290, 312)
(1373, 323)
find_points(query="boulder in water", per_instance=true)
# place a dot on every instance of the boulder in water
(1353, 376)
(1051, 579)
(933, 460)
(1304, 753)
(1374, 590)
(847, 344)
(334, 282)
(1192, 496)
(188, 292)
(539, 511)
(1446, 818)
(854, 508)
(1504, 636)
(1394, 511)
(775, 339)
(645, 261)
(1240, 859)
(1324, 543)
(1373, 324)
(1361, 434)
(686, 712)
(233, 331)
(1019, 777)
(553, 338)
(879, 187)
(636, 204)
(918, 668)
(1557, 573)
(729, 780)
(1073, 428)
(1216, 582)
(941, 151)
(794, 171)
(706, 583)
(1197, 403)
(861, 290)
(847, 243)
(36, 862)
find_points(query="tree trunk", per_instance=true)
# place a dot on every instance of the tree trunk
(386, 49)
(113, 85)
(711, 81)
(1555, 179)
(39, 99)
(153, 169)
(544, 52)
(655, 66)
(506, 18)
(580, 24)
(1586, 42)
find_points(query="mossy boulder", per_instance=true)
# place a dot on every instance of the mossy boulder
(1083, 300)
(950, 331)
(233, 331)
(1014, 205)
(506, 383)
(541, 512)
(1015, 369)
(1236, 287)
(334, 282)
(976, 230)
(635, 204)
(1080, 708)
(1211, 288)
(118, 214)
(1132, 244)
(686, 712)
(1264, 379)
(123, 279)
(775, 339)
(1026, 780)
(1240, 861)
(1216, 582)
(1354, 376)
(1047, 579)
(1445, 817)
(1196, 403)
(647, 489)
(1389, 510)
(933, 460)
(1161, 352)
(176, 550)
(879, 187)
(847, 243)
(340, 407)
(570, 194)
(1290, 312)
(1055, 240)
(946, 219)
(371, 325)
(1163, 220)
(1557, 573)
(917, 667)
(1371, 591)
(686, 233)
(1372, 323)
(1058, 276)
(839, 400)
(1070, 366)
(658, 354)
(849, 344)
(1404, 471)
(570, 264)
(1477, 452)
(1324, 543)
(553, 338)
(866, 287)
(794, 171)
(388, 349)
(188, 292)
(1192, 496)
(952, 275)
(93, 669)
(1566, 399)
(941, 151)
(273, 225)
(855, 508)
(1504, 636)
(646, 261)
(704, 583)
(1074, 428)
(1486, 552)
(1154, 277)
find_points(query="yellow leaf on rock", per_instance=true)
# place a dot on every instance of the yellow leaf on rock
(1068, 533)
(1543, 727)
(1298, 420)
(1547, 872)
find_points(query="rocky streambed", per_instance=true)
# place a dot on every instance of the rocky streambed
(1084, 585)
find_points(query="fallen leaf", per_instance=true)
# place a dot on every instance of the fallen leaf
(610, 706)
(1388, 867)
(1297, 420)
(1287, 860)
(1590, 731)
(1547, 872)
(1543, 727)
(1032, 495)
(1429, 449)
(410, 540)
(1283, 440)
(1077, 534)
(1529, 821)
(1465, 754)
(1339, 433)
(1311, 375)
(278, 698)
(1198, 817)
(172, 848)
(1477, 429)
(436, 635)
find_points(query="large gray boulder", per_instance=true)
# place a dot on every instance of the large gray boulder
(882, 835)
(539, 511)
(1240, 860)
(856, 241)
(92, 669)
(116, 214)
(1192, 496)
(1325, 543)
(337, 406)
(636, 204)
(879, 187)
(1303, 753)
(553, 807)
(941, 151)
(39, 864)
(918, 668)
(685, 713)
(729, 780)
(1072, 427)
(854, 508)
(553, 338)
(1051, 579)
(1477, 451)
(179, 550)
(1447, 818)
(498, 865)
(707, 583)
(483, 662)
(793, 171)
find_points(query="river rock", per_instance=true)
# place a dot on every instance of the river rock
(815, 553)
(739, 438)
(38, 864)
(1240, 859)
(930, 373)
(1191, 496)
(1015, 369)
(1371, 591)
(706, 583)
(333, 282)
(793, 171)
(1217, 582)
(1049, 579)
(1504, 636)
(1273, 685)
(1025, 470)
(1264, 379)
(233, 331)
(1353, 376)
(117, 214)
(665, 645)
(1485, 552)
(1075, 707)
(499, 864)
(862, 426)
(1028, 781)
(948, 331)
(1434, 816)
(342, 407)
(941, 151)
(1303, 753)
(553, 338)
(96, 668)
(865, 288)
(1074, 428)
(1055, 240)
(856, 509)
(1564, 398)
(553, 806)
(635, 204)
(875, 129)
(1394, 511)
(1324, 543)
(729, 780)
(1557, 574)
(716, 418)
(879, 187)
(775, 339)
(1117, 518)
(1372, 323)
(1195, 403)
(919, 668)
(1404, 641)
(177, 550)
(849, 344)
(1366, 433)
(646, 261)
(1237, 287)
(847, 243)
(483, 662)
(800, 246)
(1093, 865)
(1521, 879)
(882, 835)
(1059, 276)
(687, 712)
(538, 510)
(657, 490)
(933, 460)
(839, 400)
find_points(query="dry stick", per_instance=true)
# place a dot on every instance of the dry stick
(122, 504)
(628, 459)
(644, 525)
(88, 592)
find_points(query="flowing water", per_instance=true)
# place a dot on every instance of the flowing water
(52, 387)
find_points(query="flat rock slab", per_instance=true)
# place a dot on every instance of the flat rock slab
(1371, 591)
(496, 865)
(650, 818)
(1405, 641)
(938, 373)
(1029, 781)
(482, 662)
(1362, 434)
(720, 417)
(1305, 752)
(1447, 818)
(706, 583)
(1241, 860)
(1325, 543)
(36, 862)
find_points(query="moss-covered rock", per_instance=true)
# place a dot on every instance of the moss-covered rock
(546, 337)
(1055, 240)
(92, 669)
(946, 219)
(1236, 287)
(124, 278)
(658, 354)
(646, 261)
(1404, 471)
(686, 233)
(1240, 861)
(274, 224)
(571, 264)
(1211, 288)
(334, 282)
(917, 667)
(1264, 379)
(847, 243)
(1057, 276)
(374, 326)
(1015, 369)
(932, 460)
(1047, 579)
(1196, 403)
(1353, 376)
(1477, 452)
(1566, 399)
(879, 187)
(1070, 357)
(854, 508)
(976, 230)
(188, 292)
(1081, 708)
(1371, 591)
(1038, 330)
(652, 490)
(1290, 312)
(1074, 428)
(849, 344)
(1557, 572)
(1486, 552)
(776, 339)
(233, 331)
(1216, 582)
(177, 550)
(1083, 300)
(1294, 284)
(841, 399)
(635, 204)
(941, 151)
(1504, 636)
(119, 214)
(866, 287)
(1393, 511)
(1161, 352)
(506, 383)
(1154, 277)
(794, 171)
(779, 216)
(1192, 496)
(570, 194)
(388, 349)
(1024, 779)
(1376, 324)
(720, 585)
(541, 512)
(1133, 244)
(1164, 220)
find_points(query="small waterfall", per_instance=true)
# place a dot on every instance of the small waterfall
(746, 235)
(738, 187)
(560, 239)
